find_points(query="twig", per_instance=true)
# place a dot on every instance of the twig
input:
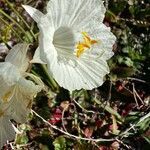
(135, 96)
(135, 79)
(71, 135)
(62, 118)
(141, 119)
(88, 111)
(11, 145)
(119, 141)
(109, 94)
(138, 96)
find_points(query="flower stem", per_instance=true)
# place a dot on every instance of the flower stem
(51, 81)
(6, 23)
(16, 12)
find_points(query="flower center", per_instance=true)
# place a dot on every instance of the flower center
(85, 44)
(69, 42)
(64, 39)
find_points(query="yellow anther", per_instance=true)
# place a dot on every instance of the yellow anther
(86, 44)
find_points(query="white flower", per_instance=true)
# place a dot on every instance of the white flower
(16, 93)
(74, 42)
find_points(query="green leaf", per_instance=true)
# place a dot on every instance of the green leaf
(60, 143)
(22, 139)
(147, 139)
(144, 125)
(28, 37)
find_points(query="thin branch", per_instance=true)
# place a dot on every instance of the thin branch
(71, 135)
(138, 96)
(141, 119)
(128, 147)
(62, 118)
(135, 79)
(110, 89)
(135, 96)
(11, 145)
(88, 111)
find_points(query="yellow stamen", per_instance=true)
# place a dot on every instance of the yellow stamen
(86, 44)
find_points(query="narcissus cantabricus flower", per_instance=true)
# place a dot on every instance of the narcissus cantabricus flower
(16, 93)
(74, 42)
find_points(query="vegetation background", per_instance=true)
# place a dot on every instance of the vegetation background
(118, 110)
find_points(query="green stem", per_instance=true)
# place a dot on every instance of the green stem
(14, 21)
(28, 2)
(112, 14)
(16, 12)
(5, 22)
(52, 82)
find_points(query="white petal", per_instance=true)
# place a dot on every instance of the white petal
(9, 76)
(73, 13)
(18, 57)
(86, 73)
(37, 57)
(23, 96)
(34, 13)
(88, 11)
(37, 80)
(106, 40)
(7, 132)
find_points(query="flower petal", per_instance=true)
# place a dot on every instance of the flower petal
(34, 13)
(18, 57)
(37, 80)
(23, 96)
(7, 132)
(37, 57)
(9, 75)
(105, 38)
(75, 12)
(85, 73)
